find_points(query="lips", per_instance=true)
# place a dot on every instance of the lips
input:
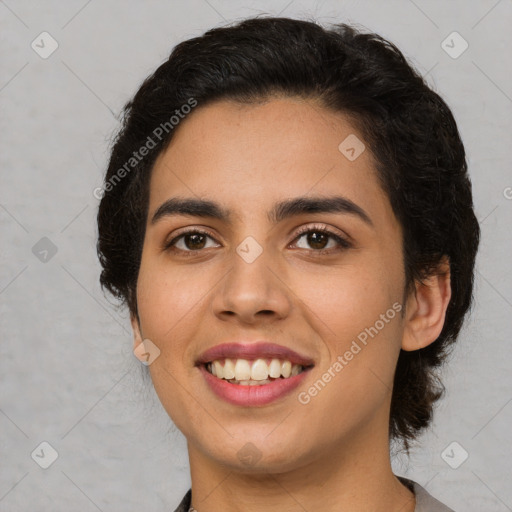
(256, 350)
(252, 396)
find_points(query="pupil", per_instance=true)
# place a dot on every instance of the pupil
(313, 240)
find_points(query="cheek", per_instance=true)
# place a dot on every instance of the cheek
(167, 300)
(356, 312)
(347, 299)
(166, 295)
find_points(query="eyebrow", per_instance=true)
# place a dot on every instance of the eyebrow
(281, 210)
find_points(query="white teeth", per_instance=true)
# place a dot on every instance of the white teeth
(252, 373)
(228, 371)
(259, 370)
(218, 371)
(274, 370)
(286, 369)
(242, 369)
(250, 382)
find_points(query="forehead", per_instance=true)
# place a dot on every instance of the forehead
(247, 156)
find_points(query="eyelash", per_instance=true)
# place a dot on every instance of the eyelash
(344, 244)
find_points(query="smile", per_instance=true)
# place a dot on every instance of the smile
(253, 373)
(252, 383)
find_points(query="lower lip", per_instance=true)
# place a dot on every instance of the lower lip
(237, 394)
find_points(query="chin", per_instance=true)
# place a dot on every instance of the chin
(248, 458)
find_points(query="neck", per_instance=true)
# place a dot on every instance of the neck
(352, 476)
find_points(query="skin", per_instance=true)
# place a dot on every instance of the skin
(333, 450)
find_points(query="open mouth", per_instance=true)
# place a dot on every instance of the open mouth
(256, 372)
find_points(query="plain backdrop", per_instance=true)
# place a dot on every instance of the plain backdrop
(68, 375)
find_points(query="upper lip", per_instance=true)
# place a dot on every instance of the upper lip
(256, 350)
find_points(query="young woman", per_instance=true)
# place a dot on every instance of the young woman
(288, 216)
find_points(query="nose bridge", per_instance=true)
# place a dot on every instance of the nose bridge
(252, 285)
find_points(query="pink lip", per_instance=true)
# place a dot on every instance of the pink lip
(249, 351)
(237, 394)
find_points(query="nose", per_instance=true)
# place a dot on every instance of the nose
(252, 292)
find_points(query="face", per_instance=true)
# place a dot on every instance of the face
(326, 283)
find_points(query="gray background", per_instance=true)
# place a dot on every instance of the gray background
(68, 375)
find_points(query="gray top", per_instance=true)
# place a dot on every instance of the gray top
(424, 501)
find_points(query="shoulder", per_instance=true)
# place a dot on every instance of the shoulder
(185, 502)
(425, 502)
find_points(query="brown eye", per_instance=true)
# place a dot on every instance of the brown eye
(194, 241)
(317, 240)
(320, 240)
(190, 241)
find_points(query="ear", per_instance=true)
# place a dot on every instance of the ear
(137, 335)
(426, 309)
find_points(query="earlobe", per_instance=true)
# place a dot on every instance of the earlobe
(137, 336)
(426, 309)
